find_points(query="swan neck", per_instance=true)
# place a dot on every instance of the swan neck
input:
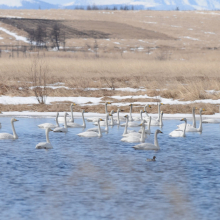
(112, 121)
(200, 126)
(143, 133)
(57, 121)
(65, 125)
(141, 115)
(149, 123)
(118, 118)
(14, 132)
(194, 118)
(71, 109)
(161, 120)
(156, 140)
(47, 136)
(106, 123)
(100, 133)
(126, 126)
(159, 111)
(106, 110)
(184, 131)
(131, 113)
(84, 123)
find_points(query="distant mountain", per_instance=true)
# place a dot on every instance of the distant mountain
(150, 4)
(26, 4)
(136, 4)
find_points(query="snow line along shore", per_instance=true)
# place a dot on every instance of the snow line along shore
(27, 114)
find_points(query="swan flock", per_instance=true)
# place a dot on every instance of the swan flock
(130, 136)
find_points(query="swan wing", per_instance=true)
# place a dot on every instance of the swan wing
(176, 133)
(214, 121)
(47, 125)
(60, 129)
(74, 125)
(146, 146)
(6, 136)
(88, 134)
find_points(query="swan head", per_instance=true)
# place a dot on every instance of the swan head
(159, 131)
(83, 111)
(131, 105)
(112, 112)
(13, 120)
(108, 103)
(126, 116)
(162, 113)
(73, 104)
(120, 110)
(66, 114)
(184, 119)
(101, 119)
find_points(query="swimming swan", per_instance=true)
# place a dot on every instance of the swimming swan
(191, 129)
(49, 125)
(75, 125)
(61, 119)
(97, 118)
(0, 123)
(194, 120)
(92, 133)
(137, 137)
(149, 146)
(126, 131)
(117, 122)
(147, 131)
(45, 145)
(157, 123)
(62, 129)
(178, 132)
(10, 136)
(102, 130)
(139, 118)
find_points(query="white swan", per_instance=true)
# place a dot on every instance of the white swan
(62, 129)
(97, 118)
(149, 146)
(0, 123)
(130, 123)
(147, 131)
(194, 120)
(45, 145)
(130, 118)
(10, 136)
(117, 122)
(145, 110)
(75, 125)
(102, 130)
(50, 125)
(211, 121)
(61, 119)
(103, 123)
(139, 118)
(92, 133)
(178, 132)
(157, 123)
(126, 131)
(191, 129)
(136, 137)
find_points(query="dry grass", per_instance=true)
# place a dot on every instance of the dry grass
(182, 69)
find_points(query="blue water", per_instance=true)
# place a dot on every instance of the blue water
(107, 179)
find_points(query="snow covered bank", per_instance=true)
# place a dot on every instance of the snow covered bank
(8, 100)
(27, 114)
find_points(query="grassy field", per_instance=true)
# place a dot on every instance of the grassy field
(173, 55)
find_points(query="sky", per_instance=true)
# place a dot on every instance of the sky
(57, 1)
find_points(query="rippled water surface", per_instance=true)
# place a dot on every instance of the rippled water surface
(104, 178)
